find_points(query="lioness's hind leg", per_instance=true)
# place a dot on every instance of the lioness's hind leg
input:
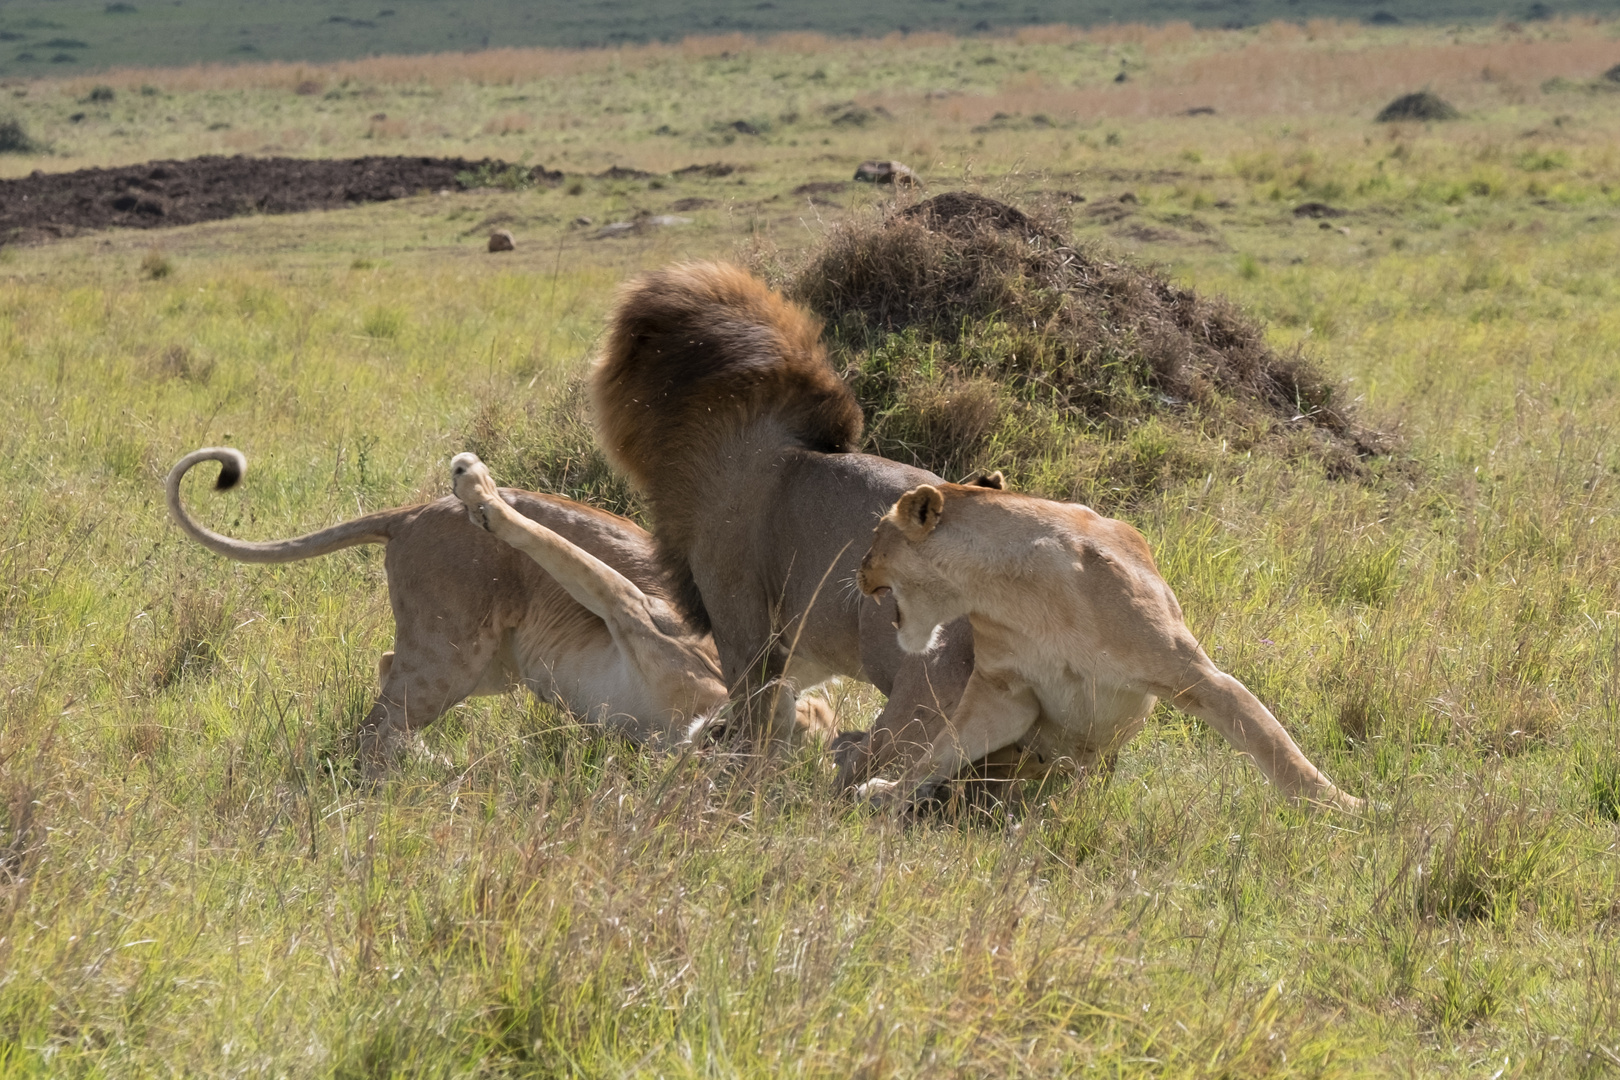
(414, 694)
(1195, 685)
(384, 663)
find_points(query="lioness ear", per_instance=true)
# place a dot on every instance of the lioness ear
(918, 512)
(986, 480)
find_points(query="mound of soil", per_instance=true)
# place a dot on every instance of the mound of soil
(166, 193)
(962, 214)
(979, 335)
(1419, 106)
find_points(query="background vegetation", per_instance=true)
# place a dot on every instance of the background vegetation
(45, 36)
(191, 882)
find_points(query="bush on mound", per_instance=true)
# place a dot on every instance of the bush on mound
(976, 336)
(1419, 106)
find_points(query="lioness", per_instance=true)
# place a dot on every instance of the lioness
(576, 611)
(714, 395)
(1075, 636)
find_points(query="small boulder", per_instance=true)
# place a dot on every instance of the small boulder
(501, 240)
(886, 172)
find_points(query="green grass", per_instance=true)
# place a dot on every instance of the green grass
(44, 37)
(190, 882)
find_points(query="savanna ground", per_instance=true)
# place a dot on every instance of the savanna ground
(193, 883)
(53, 37)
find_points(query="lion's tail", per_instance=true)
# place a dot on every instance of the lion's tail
(371, 529)
(701, 360)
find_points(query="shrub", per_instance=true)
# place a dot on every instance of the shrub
(976, 335)
(14, 140)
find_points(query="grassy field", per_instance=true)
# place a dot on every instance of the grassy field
(40, 37)
(190, 882)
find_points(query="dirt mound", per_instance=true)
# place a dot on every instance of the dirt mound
(1419, 106)
(166, 193)
(962, 213)
(978, 335)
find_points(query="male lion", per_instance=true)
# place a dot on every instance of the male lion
(714, 395)
(1075, 637)
(562, 598)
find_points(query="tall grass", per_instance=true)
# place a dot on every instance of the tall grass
(192, 880)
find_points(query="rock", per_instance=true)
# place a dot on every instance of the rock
(501, 240)
(582, 221)
(886, 172)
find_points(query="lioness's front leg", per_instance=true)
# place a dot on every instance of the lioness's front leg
(993, 713)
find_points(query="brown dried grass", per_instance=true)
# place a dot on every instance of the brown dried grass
(968, 325)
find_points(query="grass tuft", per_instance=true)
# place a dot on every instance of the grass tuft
(156, 266)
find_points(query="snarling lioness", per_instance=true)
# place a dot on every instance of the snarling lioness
(1075, 637)
(562, 598)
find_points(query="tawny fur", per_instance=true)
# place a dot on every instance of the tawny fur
(474, 615)
(696, 353)
(1076, 636)
(714, 395)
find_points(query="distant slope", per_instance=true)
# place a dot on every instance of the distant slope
(53, 37)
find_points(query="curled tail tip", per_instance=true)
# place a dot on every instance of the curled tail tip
(229, 477)
(232, 466)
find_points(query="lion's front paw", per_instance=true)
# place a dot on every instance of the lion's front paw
(879, 794)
